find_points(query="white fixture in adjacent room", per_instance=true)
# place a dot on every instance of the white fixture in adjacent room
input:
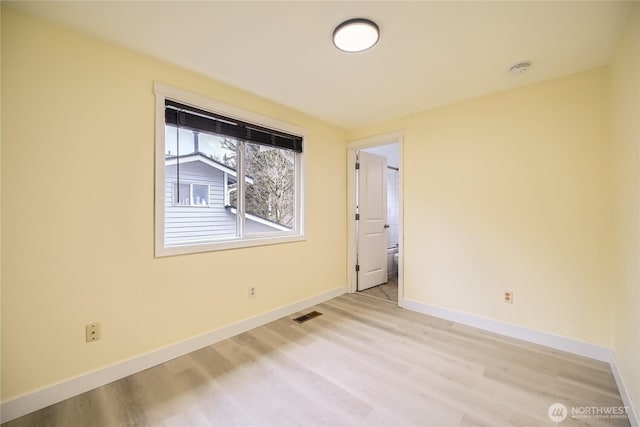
(356, 35)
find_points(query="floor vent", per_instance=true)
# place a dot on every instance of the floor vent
(307, 316)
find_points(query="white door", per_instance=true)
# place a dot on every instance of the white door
(372, 228)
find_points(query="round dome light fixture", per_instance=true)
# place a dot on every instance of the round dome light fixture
(356, 35)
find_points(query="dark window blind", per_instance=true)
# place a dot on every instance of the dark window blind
(185, 116)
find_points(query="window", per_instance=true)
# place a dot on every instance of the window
(244, 168)
(190, 194)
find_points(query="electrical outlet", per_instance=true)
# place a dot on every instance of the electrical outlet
(92, 332)
(508, 297)
(252, 291)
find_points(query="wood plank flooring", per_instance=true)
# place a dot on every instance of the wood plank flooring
(387, 291)
(364, 362)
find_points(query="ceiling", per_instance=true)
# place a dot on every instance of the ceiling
(429, 54)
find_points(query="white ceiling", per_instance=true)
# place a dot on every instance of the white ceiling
(429, 54)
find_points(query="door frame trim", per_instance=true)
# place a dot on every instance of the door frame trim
(396, 137)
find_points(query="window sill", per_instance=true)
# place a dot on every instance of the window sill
(196, 248)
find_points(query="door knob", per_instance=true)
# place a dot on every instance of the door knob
(386, 226)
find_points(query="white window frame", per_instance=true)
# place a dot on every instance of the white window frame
(163, 92)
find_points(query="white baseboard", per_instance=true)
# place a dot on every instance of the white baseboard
(531, 335)
(42, 398)
(632, 412)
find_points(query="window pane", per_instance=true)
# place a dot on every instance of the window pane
(270, 189)
(194, 179)
(200, 194)
(219, 148)
(171, 141)
(181, 194)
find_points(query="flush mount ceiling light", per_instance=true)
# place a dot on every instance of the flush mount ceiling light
(356, 35)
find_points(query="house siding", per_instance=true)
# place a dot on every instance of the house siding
(184, 224)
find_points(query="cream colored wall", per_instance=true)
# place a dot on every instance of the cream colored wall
(0, 193)
(78, 209)
(625, 78)
(512, 192)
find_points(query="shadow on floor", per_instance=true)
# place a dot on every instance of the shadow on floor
(387, 291)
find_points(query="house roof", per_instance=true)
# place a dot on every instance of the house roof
(204, 158)
(259, 219)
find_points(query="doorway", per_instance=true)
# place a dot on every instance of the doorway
(375, 209)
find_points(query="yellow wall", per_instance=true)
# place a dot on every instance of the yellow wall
(0, 193)
(512, 192)
(78, 209)
(625, 78)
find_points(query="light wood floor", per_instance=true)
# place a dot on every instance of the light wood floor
(387, 291)
(364, 362)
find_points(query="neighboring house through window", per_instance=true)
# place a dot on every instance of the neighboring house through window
(245, 171)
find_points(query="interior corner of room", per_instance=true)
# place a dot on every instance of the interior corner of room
(512, 208)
